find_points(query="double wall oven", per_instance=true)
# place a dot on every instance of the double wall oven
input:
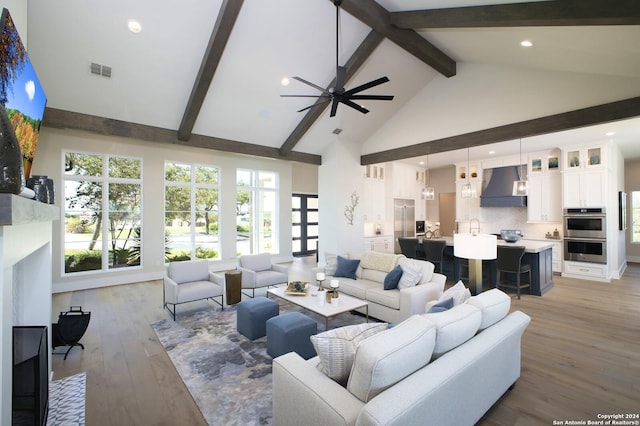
(585, 234)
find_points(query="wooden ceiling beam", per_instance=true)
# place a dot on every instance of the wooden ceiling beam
(379, 19)
(605, 113)
(229, 11)
(532, 14)
(366, 48)
(61, 119)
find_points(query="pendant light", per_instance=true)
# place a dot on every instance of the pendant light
(468, 191)
(520, 186)
(428, 192)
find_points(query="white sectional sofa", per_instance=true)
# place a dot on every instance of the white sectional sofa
(393, 305)
(444, 368)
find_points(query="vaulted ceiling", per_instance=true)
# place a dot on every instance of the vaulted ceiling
(207, 73)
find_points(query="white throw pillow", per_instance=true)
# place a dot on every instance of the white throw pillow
(388, 357)
(458, 292)
(336, 348)
(454, 326)
(494, 305)
(411, 276)
(331, 262)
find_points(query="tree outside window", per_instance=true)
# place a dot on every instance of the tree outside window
(191, 212)
(102, 233)
(256, 212)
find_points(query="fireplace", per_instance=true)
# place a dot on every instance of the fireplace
(30, 395)
(25, 282)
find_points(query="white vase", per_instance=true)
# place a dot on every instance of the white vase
(321, 297)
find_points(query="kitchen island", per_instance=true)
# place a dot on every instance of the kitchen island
(538, 254)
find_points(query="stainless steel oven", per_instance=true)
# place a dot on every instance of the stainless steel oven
(585, 223)
(585, 250)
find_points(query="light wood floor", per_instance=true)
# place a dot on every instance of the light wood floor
(580, 355)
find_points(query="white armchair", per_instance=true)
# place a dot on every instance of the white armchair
(189, 281)
(258, 271)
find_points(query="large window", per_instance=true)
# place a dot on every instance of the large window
(256, 212)
(102, 232)
(191, 212)
(635, 217)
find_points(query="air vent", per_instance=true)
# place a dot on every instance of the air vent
(336, 131)
(102, 70)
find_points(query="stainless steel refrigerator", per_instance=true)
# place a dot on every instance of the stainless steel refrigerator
(404, 225)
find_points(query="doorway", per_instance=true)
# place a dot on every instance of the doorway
(447, 213)
(304, 224)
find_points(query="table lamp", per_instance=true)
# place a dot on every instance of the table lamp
(476, 248)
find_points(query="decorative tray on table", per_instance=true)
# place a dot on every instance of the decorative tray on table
(297, 288)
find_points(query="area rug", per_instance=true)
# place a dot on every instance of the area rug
(228, 375)
(67, 401)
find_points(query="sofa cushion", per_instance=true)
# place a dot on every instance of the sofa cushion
(336, 347)
(458, 292)
(384, 262)
(410, 277)
(357, 288)
(454, 326)
(372, 275)
(189, 271)
(256, 262)
(331, 262)
(346, 268)
(380, 296)
(392, 278)
(386, 358)
(425, 267)
(441, 306)
(494, 305)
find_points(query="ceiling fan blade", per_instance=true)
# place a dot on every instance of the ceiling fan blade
(341, 75)
(305, 96)
(355, 106)
(334, 107)
(314, 105)
(373, 97)
(366, 86)
(315, 86)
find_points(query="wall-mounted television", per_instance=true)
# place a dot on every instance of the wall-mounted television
(21, 94)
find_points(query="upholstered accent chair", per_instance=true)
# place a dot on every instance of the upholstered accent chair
(258, 271)
(189, 281)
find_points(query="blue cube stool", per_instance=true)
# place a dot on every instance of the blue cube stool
(252, 315)
(291, 332)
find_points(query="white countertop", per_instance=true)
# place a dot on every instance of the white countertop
(531, 246)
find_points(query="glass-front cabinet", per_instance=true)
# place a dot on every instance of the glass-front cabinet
(584, 157)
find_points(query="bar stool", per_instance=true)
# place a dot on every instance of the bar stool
(434, 253)
(510, 261)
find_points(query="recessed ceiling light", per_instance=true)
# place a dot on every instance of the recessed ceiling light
(134, 26)
(421, 163)
(492, 152)
(526, 43)
(285, 81)
(610, 133)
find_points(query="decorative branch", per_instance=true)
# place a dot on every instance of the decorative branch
(349, 209)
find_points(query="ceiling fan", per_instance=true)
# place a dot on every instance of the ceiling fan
(338, 94)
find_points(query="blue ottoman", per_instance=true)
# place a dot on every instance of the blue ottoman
(252, 315)
(291, 332)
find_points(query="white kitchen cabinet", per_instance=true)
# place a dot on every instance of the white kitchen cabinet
(467, 208)
(544, 197)
(557, 255)
(596, 271)
(383, 244)
(373, 200)
(584, 157)
(584, 188)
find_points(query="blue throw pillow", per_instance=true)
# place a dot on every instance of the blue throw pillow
(392, 278)
(347, 268)
(445, 305)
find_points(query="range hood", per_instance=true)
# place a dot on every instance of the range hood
(498, 191)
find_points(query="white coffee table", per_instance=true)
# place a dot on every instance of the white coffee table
(311, 302)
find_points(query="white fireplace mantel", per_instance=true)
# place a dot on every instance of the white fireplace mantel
(26, 282)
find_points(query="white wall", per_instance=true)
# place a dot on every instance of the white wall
(305, 178)
(48, 161)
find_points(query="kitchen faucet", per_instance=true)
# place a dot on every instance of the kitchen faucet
(471, 228)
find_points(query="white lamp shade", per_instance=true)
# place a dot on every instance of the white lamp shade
(479, 246)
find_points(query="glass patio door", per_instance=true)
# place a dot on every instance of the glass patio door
(304, 223)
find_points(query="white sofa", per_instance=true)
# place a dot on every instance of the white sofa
(392, 383)
(390, 306)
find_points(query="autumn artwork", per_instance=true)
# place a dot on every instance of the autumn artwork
(21, 95)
